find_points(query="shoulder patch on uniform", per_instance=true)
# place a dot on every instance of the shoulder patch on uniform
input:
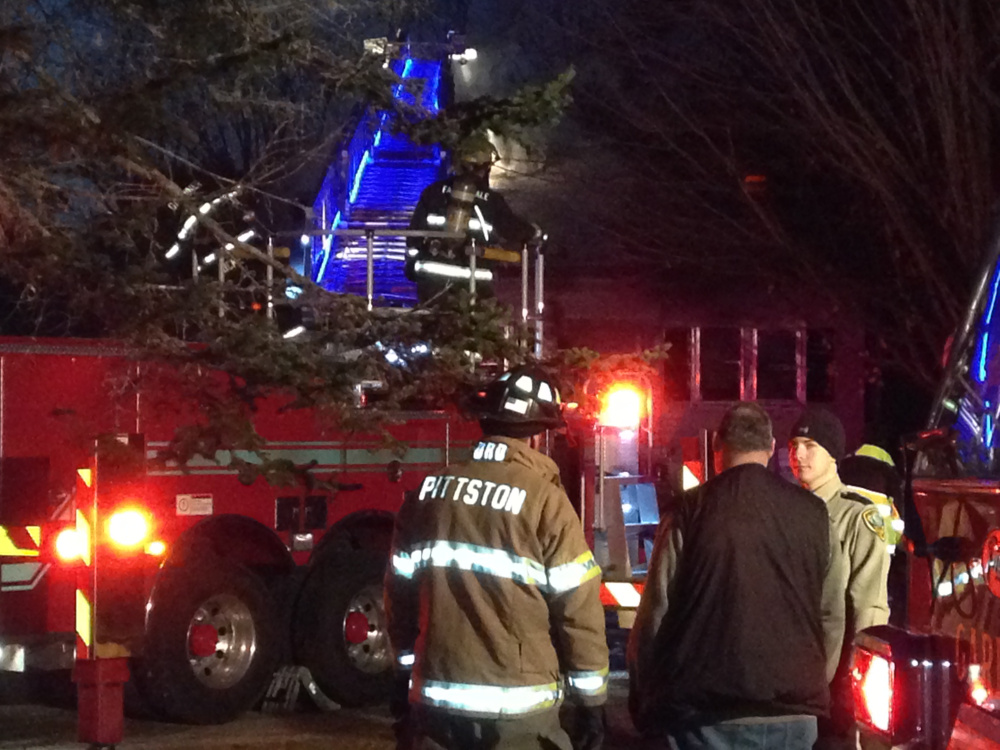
(874, 521)
(856, 497)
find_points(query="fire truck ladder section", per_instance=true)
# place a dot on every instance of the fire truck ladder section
(362, 213)
(373, 185)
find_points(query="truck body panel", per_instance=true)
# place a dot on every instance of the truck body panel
(57, 397)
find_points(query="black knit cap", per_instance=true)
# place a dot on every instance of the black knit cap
(824, 428)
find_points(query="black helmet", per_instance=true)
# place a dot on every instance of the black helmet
(520, 403)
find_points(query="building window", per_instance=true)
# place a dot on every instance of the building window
(776, 365)
(720, 360)
(819, 365)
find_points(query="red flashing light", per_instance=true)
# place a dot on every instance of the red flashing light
(622, 407)
(128, 528)
(69, 545)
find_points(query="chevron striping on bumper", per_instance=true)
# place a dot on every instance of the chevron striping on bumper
(20, 541)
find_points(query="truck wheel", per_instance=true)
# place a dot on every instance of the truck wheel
(340, 630)
(211, 644)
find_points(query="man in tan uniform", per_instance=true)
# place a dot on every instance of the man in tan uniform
(493, 596)
(815, 446)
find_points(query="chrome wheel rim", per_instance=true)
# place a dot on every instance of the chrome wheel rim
(373, 654)
(236, 641)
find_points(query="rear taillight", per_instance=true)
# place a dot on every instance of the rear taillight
(872, 681)
(907, 687)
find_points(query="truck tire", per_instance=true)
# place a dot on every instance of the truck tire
(340, 628)
(211, 644)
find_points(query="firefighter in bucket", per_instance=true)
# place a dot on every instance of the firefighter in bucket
(463, 203)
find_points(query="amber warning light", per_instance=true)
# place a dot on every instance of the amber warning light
(622, 407)
(978, 691)
(156, 549)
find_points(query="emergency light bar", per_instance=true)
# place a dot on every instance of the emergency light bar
(907, 688)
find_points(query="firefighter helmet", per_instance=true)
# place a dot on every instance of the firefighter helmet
(476, 151)
(520, 403)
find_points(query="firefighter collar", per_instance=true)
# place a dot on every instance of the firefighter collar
(518, 451)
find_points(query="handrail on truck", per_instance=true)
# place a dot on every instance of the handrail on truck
(532, 295)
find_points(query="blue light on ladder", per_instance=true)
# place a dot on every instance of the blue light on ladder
(407, 67)
(435, 92)
(434, 89)
(378, 184)
(357, 177)
(985, 340)
(328, 247)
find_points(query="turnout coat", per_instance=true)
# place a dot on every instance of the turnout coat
(492, 595)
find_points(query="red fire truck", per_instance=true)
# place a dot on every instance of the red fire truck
(208, 579)
(935, 682)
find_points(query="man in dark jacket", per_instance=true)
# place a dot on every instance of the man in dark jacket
(740, 624)
(493, 594)
(463, 203)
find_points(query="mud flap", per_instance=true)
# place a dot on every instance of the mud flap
(283, 692)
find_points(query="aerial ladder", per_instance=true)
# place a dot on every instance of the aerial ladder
(356, 242)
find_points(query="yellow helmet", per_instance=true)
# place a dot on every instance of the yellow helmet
(476, 151)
